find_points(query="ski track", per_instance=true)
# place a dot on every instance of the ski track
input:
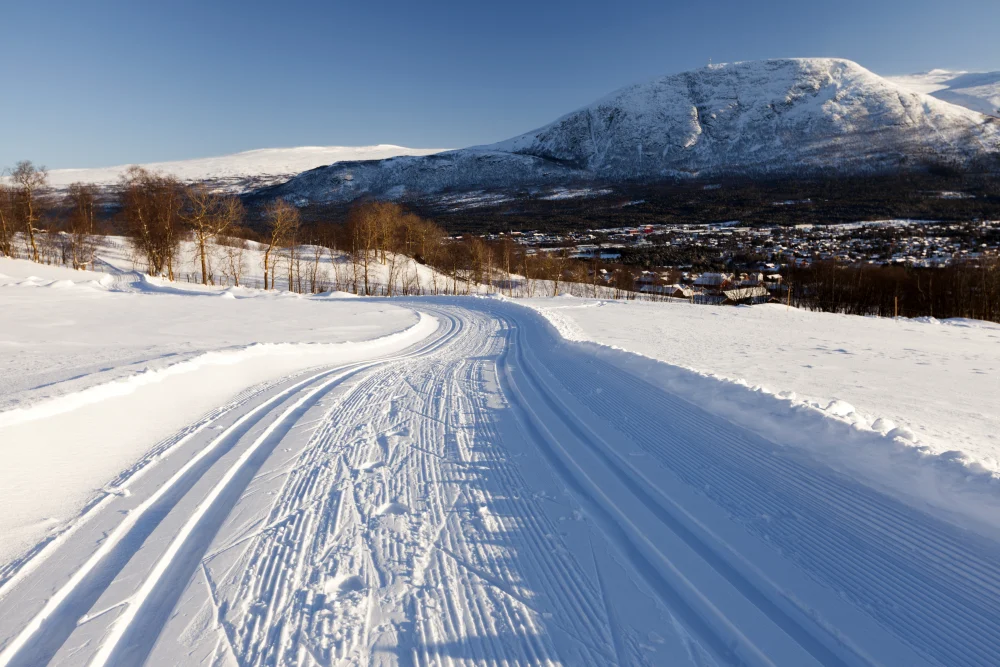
(493, 496)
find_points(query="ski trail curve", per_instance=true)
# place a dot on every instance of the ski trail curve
(496, 495)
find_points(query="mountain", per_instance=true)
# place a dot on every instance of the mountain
(788, 116)
(243, 170)
(979, 91)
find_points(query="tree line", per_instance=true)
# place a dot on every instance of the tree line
(377, 247)
(969, 289)
(368, 252)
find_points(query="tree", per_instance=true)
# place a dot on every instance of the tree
(233, 250)
(151, 209)
(316, 279)
(507, 252)
(29, 182)
(81, 198)
(209, 215)
(624, 283)
(282, 220)
(7, 222)
(363, 230)
(556, 265)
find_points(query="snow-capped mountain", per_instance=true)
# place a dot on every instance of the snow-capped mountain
(979, 91)
(247, 169)
(773, 116)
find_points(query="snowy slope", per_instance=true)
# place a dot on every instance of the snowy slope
(335, 270)
(256, 168)
(979, 91)
(774, 116)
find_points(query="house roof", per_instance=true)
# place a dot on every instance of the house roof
(750, 292)
(712, 279)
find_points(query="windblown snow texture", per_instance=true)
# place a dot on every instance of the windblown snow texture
(979, 91)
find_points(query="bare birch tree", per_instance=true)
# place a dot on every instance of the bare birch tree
(233, 255)
(7, 221)
(29, 182)
(208, 215)
(151, 212)
(282, 220)
(82, 198)
(363, 229)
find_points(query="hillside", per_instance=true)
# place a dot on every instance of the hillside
(774, 117)
(242, 170)
(979, 91)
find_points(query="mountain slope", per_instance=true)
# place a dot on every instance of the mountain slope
(773, 116)
(979, 91)
(256, 168)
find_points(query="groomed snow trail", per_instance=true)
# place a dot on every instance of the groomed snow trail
(495, 496)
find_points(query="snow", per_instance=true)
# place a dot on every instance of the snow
(256, 167)
(759, 117)
(570, 193)
(475, 199)
(452, 480)
(930, 386)
(73, 349)
(979, 91)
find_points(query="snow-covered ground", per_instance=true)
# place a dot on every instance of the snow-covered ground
(334, 270)
(449, 480)
(91, 377)
(257, 167)
(928, 389)
(979, 91)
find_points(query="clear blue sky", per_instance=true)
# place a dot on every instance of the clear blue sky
(100, 83)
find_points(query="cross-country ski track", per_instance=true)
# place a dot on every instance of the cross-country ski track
(494, 495)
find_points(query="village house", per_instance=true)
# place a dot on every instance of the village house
(746, 295)
(713, 283)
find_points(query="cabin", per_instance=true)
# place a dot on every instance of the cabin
(713, 282)
(746, 296)
(672, 291)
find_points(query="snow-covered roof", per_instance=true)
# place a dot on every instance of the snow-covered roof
(713, 279)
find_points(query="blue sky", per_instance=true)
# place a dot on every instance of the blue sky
(102, 83)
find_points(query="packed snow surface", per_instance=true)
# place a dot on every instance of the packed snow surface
(933, 384)
(92, 378)
(456, 482)
(257, 167)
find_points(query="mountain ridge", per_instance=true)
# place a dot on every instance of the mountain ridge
(790, 115)
(252, 168)
(979, 91)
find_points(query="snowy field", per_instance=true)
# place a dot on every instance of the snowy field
(198, 475)
(92, 377)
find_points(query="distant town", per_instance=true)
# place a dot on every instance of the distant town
(729, 262)
(729, 244)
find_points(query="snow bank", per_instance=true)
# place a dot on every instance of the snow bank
(91, 379)
(296, 353)
(910, 406)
